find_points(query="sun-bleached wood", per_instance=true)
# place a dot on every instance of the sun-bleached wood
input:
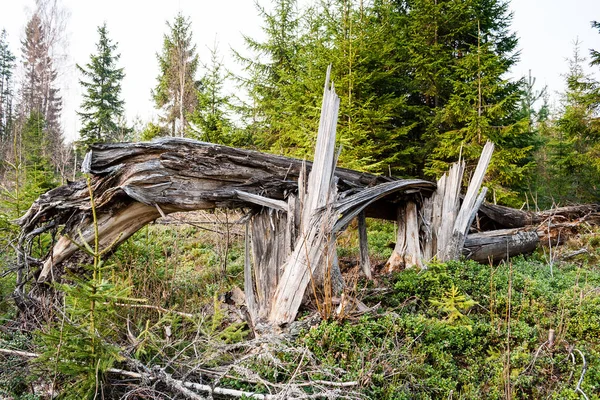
(269, 253)
(407, 251)
(295, 210)
(249, 288)
(131, 179)
(494, 246)
(313, 248)
(469, 206)
(444, 221)
(365, 261)
(262, 201)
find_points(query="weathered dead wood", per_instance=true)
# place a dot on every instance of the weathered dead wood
(506, 217)
(111, 228)
(249, 288)
(450, 208)
(348, 207)
(292, 236)
(556, 228)
(469, 207)
(407, 252)
(269, 252)
(439, 213)
(130, 179)
(262, 201)
(494, 246)
(365, 261)
(314, 250)
(444, 223)
(396, 260)
(182, 386)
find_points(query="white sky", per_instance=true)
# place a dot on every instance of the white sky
(547, 30)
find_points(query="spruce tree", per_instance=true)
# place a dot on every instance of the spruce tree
(484, 106)
(38, 91)
(34, 51)
(30, 171)
(417, 79)
(458, 54)
(37, 167)
(595, 54)
(177, 88)
(286, 85)
(574, 148)
(365, 72)
(7, 64)
(271, 67)
(210, 120)
(102, 107)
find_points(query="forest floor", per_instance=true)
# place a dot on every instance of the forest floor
(524, 329)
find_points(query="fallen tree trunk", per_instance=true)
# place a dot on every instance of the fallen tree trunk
(293, 237)
(506, 217)
(296, 209)
(494, 246)
(134, 182)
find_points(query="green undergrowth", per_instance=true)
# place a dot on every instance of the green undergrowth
(464, 330)
(459, 330)
(180, 267)
(380, 238)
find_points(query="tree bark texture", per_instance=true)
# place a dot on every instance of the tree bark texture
(497, 245)
(134, 183)
(505, 217)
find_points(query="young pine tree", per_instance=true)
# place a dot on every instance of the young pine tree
(78, 346)
(102, 106)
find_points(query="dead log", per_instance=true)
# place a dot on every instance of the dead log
(293, 223)
(494, 246)
(133, 181)
(506, 217)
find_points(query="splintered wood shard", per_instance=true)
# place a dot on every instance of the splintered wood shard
(407, 252)
(439, 228)
(469, 207)
(365, 262)
(313, 248)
